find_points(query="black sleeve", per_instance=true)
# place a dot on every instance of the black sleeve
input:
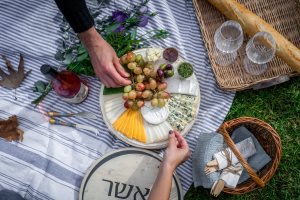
(76, 13)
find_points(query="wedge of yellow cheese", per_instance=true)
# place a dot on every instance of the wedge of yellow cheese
(131, 124)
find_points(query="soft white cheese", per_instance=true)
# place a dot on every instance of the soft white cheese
(179, 86)
(154, 115)
(153, 54)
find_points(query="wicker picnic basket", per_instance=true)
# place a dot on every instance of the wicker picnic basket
(284, 15)
(269, 140)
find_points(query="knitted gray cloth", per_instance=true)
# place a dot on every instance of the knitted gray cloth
(259, 159)
(207, 145)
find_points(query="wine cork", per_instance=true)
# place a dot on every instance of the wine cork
(252, 24)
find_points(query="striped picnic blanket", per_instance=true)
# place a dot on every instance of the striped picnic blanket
(51, 161)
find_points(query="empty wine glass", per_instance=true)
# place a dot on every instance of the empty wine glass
(260, 50)
(228, 39)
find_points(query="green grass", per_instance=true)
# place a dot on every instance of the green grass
(280, 107)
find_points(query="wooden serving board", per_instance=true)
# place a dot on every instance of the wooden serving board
(128, 173)
(156, 145)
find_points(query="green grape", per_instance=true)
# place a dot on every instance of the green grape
(127, 88)
(132, 94)
(140, 78)
(130, 57)
(149, 65)
(163, 66)
(161, 103)
(132, 65)
(140, 103)
(147, 71)
(123, 59)
(147, 94)
(164, 95)
(153, 84)
(154, 102)
(153, 73)
(125, 96)
(138, 57)
(162, 86)
(138, 70)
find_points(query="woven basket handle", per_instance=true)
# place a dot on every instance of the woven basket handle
(236, 152)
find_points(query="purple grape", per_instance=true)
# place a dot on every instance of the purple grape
(169, 67)
(160, 73)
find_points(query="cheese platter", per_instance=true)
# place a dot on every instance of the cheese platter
(161, 98)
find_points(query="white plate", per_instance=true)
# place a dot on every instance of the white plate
(157, 145)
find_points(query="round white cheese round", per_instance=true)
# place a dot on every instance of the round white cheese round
(154, 115)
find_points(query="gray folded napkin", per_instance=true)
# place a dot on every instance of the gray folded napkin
(208, 144)
(258, 160)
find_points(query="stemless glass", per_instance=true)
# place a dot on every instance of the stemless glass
(260, 50)
(228, 39)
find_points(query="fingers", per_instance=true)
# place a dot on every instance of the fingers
(119, 68)
(172, 140)
(181, 141)
(117, 78)
(110, 77)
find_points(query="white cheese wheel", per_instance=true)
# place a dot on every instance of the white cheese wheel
(154, 115)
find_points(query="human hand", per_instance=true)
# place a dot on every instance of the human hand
(104, 59)
(177, 152)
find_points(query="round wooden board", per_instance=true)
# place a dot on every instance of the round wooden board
(128, 172)
(157, 145)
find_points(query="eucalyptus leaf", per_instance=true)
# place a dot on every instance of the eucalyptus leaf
(59, 56)
(82, 57)
(81, 49)
(68, 59)
(45, 92)
(40, 86)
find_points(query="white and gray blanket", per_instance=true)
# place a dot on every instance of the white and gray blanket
(51, 161)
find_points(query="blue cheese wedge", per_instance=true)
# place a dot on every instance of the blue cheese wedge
(182, 110)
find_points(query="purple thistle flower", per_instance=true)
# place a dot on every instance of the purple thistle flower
(143, 9)
(119, 16)
(119, 29)
(143, 21)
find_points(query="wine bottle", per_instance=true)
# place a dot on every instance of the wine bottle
(66, 84)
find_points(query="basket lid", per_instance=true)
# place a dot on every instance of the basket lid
(128, 173)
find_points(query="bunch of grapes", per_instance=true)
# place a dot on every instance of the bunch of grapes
(147, 82)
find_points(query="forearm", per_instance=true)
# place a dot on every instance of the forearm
(91, 39)
(76, 13)
(162, 186)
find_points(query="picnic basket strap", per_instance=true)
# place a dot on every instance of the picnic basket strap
(230, 143)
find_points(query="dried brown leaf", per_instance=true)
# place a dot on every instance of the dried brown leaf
(14, 78)
(9, 129)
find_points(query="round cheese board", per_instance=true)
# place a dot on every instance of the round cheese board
(128, 173)
(148, 126)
